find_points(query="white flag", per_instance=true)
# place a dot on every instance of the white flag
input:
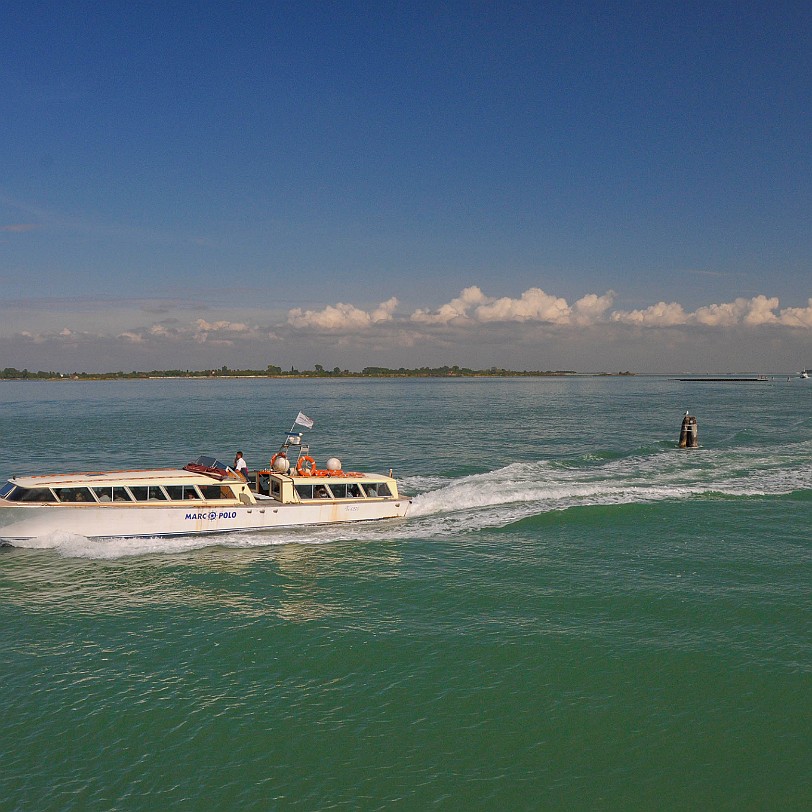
(304, 420)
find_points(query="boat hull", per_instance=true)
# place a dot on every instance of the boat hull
(26, 522)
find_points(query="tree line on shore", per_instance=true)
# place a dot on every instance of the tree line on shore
(271, 371)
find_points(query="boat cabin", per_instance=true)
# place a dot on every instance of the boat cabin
(158, 487)
(286, 488)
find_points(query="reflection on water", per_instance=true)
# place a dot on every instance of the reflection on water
(291, 581)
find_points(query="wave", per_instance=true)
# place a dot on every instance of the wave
(666, 474)
(75, 546)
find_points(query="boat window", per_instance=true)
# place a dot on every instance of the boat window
(75, 495)
(174, 492)
(39, 495)
(112, 493)
(147, 493)
(320, 492)
(305, 491)
(182, 492)
(276, 489)
(339, 491)
(216, 492)
(31, 495)
(6, 490)
(377, 489)
(354, 490)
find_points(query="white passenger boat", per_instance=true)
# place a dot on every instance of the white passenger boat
(205, 496)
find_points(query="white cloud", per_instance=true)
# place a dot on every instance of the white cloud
(592, 308)
(720, 315)
(472, 306)
(797, 316)
(454, 311)
(662, 314)
(63, 336)
(759, 310)
(221, 326)
(384, 311)
(756, 312)
(220, 333)
(342, 317)
(533, 305)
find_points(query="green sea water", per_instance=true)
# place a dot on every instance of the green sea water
(575, 615)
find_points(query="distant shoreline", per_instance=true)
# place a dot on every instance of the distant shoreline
(11, 374)
(231, 375)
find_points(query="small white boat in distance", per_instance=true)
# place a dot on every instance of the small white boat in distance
(804, 374)
(205, 496)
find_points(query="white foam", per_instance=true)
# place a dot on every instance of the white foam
(527, 488)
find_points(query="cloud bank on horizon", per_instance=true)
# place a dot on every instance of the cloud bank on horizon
(450, 327)
(473, 307)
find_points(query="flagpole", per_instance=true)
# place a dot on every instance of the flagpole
(299, 421)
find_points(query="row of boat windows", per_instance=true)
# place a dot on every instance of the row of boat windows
(116, 493)
(343, 490)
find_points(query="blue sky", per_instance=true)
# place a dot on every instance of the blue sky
(533, 185)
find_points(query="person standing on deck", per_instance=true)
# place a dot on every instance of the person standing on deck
(240, 466)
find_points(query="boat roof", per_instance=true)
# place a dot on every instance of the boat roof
(172, 476)
(91, 478)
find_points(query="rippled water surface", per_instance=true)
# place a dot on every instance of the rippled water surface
(575, 614)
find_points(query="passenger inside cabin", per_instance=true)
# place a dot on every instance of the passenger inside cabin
(321, 493)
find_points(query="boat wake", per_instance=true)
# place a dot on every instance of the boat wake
(522, 489)
(445, 507)
(75, 546)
